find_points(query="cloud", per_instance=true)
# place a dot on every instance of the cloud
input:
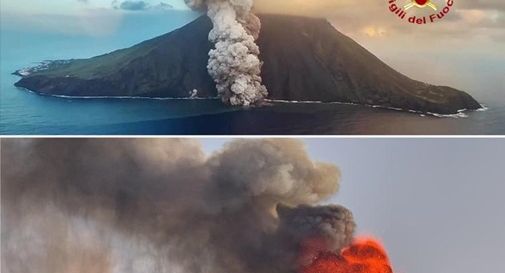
(138, 5)
(133, 5)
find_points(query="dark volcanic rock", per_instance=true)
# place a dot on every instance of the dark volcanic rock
(305, 59)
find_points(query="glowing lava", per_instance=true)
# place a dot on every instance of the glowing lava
(365, 255)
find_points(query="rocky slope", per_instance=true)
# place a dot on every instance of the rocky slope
(305, 59)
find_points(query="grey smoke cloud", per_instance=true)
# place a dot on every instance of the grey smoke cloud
(164, 206)
(234, 63)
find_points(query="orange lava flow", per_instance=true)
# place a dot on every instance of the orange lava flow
(365, 255)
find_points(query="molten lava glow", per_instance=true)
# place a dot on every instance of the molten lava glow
(365, 255)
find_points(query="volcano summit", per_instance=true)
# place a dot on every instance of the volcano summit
(304, 59)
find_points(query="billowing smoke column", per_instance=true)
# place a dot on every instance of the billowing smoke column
(149, 205)
(234, 63)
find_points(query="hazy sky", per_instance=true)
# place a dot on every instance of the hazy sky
(468, 18)
(437, 204)
(464, 50)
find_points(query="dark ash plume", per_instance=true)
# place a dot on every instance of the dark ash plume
(134, 206)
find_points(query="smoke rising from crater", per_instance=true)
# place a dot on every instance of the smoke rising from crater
(234, 63)
(128, 206)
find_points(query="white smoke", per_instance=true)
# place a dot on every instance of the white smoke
(234, 64)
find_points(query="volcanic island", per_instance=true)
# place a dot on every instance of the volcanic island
(304, 60)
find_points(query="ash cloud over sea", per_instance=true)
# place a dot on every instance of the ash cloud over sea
(163, 205)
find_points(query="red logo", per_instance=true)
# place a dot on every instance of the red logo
(420, 4)
(421, 12)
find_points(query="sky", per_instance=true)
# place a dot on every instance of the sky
(464, 50)
(75, 6)
(436, 203)
(370, 18)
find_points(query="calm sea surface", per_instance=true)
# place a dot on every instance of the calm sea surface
(26, 113)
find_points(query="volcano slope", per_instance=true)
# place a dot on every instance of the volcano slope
(305, 59)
